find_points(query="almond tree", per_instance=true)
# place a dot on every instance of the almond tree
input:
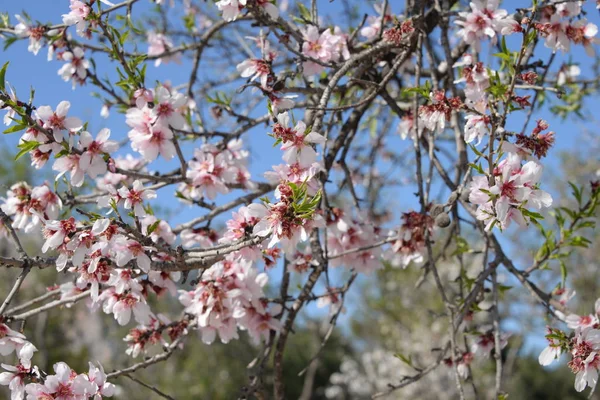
(327, 97)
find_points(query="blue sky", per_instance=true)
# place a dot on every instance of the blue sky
(28, 70)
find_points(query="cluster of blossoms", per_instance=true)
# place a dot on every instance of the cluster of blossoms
(476, 78)
(152, 119)
(410, 246)
(24, 205)
(434, 116)
(561, 25)
(12, 341)
(375, 24)
(485, 20)
(329, 46)
(481, 348)
(346, 233)
(78, 16)
(396, 34)
(214, 170)
(513, 187)
(92, 253)
(463, 361)
(229, 297)
(262, 69)
(583, 344)
(140, 337)
(240, 226)
(65, 384)
(290, 219)
(232, 9)
(76, 151)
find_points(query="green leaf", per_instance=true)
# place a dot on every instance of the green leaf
(462, 246)
(9, 41)
(123, 38)
(2, 76)
(577, 192)
(26, 147)
(15, 128)
(477, 167)
(406, 360)
(531, 214)
(153, 227)
(563, 273)
(580, 241)
(503, 288)
(304, 12)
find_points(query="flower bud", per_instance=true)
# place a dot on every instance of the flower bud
(442, 220)
(436, 209)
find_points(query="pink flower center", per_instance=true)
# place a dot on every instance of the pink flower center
(64, 390)
(164, 109)
(56, 121)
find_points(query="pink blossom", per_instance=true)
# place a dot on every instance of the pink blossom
(77, 16)
(158, 140)
(65, 384)
(123, 280)
(485, 343)
(76, 67)
(255, 69)
(134, 197)
(161, 229)
(230, 8)
(551, 352)
(229, 296)
(58, 120)
(207, 173)
(92, 160)
(515, 185)
(70, 163)
(10, 112)
(484, 19)
(158, 45)
(202, 237)
(167, 107)
(575, 321)
(55, 232)
(15, 379)
(35, 34)
(97, 377)
(129, 303)
(374, 23)
(297, 142)
(128, 249)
